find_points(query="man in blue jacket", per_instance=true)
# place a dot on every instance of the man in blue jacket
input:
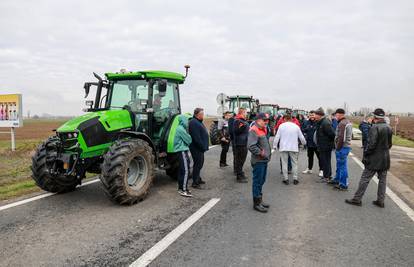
(199, 145)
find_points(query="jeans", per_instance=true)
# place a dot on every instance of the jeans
(325, 158)
(259, 178)
(342, 166)
(184, 170)
(285, 155)
(198, 159)
(240, 158)
(363, 184)
(224, 149)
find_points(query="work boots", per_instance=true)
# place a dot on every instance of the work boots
(265, 205)
(258, 206)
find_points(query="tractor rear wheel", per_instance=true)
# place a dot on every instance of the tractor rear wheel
(214, 134)
(128, 171)
(43, 161)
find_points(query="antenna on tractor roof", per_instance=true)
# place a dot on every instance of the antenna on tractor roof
(186, 70)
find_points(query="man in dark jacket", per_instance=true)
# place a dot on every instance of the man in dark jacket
(258, 145)
(240, 134)
(223, 127)
(199, 145)
(309, 128)
(376, 159)
(364, 126)
(324, 137)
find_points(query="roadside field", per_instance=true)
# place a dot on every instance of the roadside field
(15, 171)
(405, 130)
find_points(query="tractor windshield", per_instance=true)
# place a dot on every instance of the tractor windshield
(238, 103)
(132, 93)
(266, 109)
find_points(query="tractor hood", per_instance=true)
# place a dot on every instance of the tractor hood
(111, 120)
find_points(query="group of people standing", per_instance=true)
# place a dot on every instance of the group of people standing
(318, 134)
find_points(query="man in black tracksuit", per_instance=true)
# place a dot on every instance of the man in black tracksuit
(240, 135)
(198, 146)
(324, 137)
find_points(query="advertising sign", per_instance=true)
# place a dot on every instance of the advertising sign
(11, 110)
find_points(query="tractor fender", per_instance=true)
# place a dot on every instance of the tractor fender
(142, 136)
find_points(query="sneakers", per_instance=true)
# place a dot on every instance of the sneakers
(353, 202)
(286, 182)
(185, 193)
(307, 171)
(320, 173)
(295, 182)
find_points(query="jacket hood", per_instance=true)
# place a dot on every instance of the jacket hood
(183, 121)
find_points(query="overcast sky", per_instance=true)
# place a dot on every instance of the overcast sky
(295, 53)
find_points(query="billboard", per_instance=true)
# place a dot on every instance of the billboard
(11, 110)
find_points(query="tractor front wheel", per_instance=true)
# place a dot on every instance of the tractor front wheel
(43, 162)
(128, 171)
(214, 134)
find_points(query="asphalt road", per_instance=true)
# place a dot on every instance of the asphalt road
(307, 225)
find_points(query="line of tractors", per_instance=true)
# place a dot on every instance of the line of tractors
(253, 107)
(126, 134)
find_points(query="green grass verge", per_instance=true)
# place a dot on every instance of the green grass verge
(399, 141)
(17, 189)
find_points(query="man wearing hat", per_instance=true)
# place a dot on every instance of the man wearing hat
(324, 137)
(376, 159)
(259, 147)
(342, 148)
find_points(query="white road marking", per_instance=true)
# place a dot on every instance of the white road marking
(170, 238)
(24, 201)
(397, 200)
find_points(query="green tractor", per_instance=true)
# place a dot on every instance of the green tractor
(127, 132)
(232, 103)
(272, 110)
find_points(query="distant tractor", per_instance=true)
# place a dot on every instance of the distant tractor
(299, 112)
(232, 104)
(270, 109)
(126, 133)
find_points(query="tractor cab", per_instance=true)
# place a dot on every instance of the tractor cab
(270, 109)
(151, 98)
(247, 102)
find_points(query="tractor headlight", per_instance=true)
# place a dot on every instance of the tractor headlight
(69, 135)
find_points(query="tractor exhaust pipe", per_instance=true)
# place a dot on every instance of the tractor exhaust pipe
(186, 70)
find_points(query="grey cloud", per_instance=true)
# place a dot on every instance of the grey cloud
(295, 53)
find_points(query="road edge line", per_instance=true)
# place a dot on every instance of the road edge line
(27, 200)
(397, 200)
(171, 237)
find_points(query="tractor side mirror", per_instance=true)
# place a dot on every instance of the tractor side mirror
(87, 87)
(89, 103)
(162, 87)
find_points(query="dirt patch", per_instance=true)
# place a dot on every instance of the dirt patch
(33, 129)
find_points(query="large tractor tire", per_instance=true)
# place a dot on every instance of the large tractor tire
(174, 166)
(128, 171)
(214, 134)
(174, 170)
(43, 161)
